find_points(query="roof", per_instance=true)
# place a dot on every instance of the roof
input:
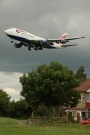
(84, 86)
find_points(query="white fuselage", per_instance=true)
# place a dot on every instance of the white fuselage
(26, 37)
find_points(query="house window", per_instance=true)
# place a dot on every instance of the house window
(88, 96)
(80, 97)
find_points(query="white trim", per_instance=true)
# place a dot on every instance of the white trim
(88, 90)
(88, 96)
(76, 111)
(81, 97)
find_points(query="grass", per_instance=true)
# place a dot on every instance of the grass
(16, 127)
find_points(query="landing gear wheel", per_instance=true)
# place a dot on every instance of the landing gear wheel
(12, 41)
(35, 49)
(40, 48)
(29, 48)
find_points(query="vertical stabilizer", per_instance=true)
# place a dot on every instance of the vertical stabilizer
(64, 36)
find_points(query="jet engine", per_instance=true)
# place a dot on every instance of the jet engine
(63, 41)
(18, 45)
(44, 42)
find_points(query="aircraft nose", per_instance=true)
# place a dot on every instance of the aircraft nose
(6, 32)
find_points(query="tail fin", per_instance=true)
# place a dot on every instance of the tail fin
(64, 36)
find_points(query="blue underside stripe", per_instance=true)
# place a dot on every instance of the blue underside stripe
(19, 38)
(50, 47)
(27, 41)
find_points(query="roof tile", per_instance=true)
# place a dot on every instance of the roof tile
(84, 86)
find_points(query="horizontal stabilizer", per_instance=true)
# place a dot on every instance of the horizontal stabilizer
(68, 45)
(71, 45)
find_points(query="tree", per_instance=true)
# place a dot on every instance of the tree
(49, 85)
(80, 74)
(4, 103)
(42, 110)
(19, 109)
(12, 111)
(22, 109)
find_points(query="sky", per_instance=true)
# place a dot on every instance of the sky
(47, 19)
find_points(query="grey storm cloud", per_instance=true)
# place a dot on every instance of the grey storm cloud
(49, 19)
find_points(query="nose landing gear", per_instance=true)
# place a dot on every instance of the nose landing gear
(12, 41)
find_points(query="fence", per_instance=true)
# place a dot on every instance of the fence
(40, 120)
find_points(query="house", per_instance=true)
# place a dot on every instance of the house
(82, 110)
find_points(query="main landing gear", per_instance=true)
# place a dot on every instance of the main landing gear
(29, 48)
(35, 48)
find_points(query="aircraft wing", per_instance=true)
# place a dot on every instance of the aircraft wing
(74, 38)
(48, 42)
(39, 43)
(53, 40)
(66, 39)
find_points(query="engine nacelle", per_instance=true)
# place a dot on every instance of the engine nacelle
(63, 41)
(18, 45)
(44, 42)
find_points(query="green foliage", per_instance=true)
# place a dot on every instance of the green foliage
(50, 85)
(42, 110)
(4, 103)
(80, 74)
(19, 109)
(11, 109)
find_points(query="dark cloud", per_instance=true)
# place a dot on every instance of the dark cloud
(47, 19)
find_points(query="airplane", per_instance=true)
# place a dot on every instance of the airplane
(29, 40)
